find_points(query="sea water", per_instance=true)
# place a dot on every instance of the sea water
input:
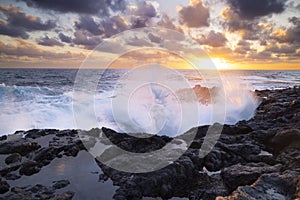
(43, 98)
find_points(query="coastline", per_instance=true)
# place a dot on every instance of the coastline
(258, 157)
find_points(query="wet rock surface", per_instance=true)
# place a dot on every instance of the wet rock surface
(259, 158)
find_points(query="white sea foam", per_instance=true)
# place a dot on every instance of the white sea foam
(28, 107)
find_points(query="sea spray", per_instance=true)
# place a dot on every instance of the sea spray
(47, 102)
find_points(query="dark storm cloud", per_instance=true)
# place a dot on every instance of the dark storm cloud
(194, 15)
(249, 9)
(64, 38)
(46, 41)
(17, 23)
(79, 6)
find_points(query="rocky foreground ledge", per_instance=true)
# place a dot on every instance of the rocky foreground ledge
(255, 159)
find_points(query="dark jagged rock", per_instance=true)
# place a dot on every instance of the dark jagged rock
(37, 192)
(35, 133)
(10, 168)
(4, 137)
(21, 146)
(290, 158)
(47, 153)
(270, 186)
(60, 184)
(284, 139)
(13, 158)
(29, 167)
(64, 133)
(64, 196)
(136, 144)
(240, 175)
(259, 158)
(11, 176)
(4, 187)
(73, 148)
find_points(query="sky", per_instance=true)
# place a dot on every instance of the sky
(235, 34)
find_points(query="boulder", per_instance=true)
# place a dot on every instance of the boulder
(13, 158)
(4, 187)
(60, 184)
(29, 167)
(284, 138)
(240, 175)
(269, 187)
(22, 146)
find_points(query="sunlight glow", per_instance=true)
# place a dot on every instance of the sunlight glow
(220, 63)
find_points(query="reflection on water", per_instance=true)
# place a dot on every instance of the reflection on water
(82, 172)
(60, 169)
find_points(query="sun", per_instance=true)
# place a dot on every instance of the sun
(220, 63)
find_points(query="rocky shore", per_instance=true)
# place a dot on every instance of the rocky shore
(255, 159)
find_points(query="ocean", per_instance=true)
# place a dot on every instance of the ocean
(43, 98)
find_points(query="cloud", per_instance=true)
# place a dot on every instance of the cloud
(168, 23)
(154, 38)
(18, 23)
(292, 33)
(89, 31)
(18, 18)
(89, 24)
(139, 22)
(289, 35)
(142, 8)
(243, 47)
(78, 6)
(248, 29)
(84, 39)
(250, 9)
(141, 13)
(283, 49)
(244, 17)
(113, 25)
(232, 21)
(213, 39)
(194, 15)
(12, 31)
(46, 41)
(64, 38)
(138, 42)
(104, 27)
(112, 46)
(26, 49)
(25, 54)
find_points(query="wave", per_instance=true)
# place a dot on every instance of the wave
(27, 107)
(152, 108)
